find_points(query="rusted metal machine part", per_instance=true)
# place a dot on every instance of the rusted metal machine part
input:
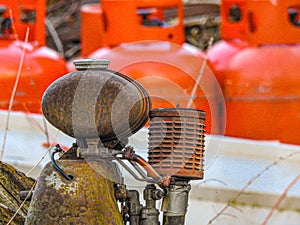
(176, 149)
(135, 213)
(130, 155)
(176, 142)
(149, 213)
(95, 102)
(175, 203)
(130, 204)
(84, 185)
(134, 207)
(87, 199)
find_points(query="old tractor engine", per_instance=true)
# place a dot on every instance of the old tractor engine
(101, 109)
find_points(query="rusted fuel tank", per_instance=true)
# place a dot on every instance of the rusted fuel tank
(101, 109)
(96, 102)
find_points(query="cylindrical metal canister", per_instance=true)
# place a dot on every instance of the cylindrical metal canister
(96, 102)
(176, 142)
(175, 203)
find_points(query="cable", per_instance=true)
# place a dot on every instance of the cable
(56, 150)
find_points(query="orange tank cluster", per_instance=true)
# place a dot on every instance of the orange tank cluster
(257, 64)
(24, 56)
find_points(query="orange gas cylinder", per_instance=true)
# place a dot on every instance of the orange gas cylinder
(134, 20)
(259, 78)
(262, 93)
(114, 22)
(35, 65)
(250, 20)
(40, 68)
(18, 15)
(169, 73)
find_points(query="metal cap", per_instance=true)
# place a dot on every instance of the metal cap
(95, 64)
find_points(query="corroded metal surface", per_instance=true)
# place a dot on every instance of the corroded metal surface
(96, 102)
(87, 199)
(175, 203)
(176, 142)
(12, 182)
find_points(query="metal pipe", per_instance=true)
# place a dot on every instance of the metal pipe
(138, 169)
(175, 203)
(134, 207)
(134, 159)
(149, 213)
(150, 170)
(132, 173)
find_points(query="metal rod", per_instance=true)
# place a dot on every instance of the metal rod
(138, 169)
(132, 173)
(134, 159)
(150, 170)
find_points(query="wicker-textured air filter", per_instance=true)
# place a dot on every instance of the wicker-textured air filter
(176, 142)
